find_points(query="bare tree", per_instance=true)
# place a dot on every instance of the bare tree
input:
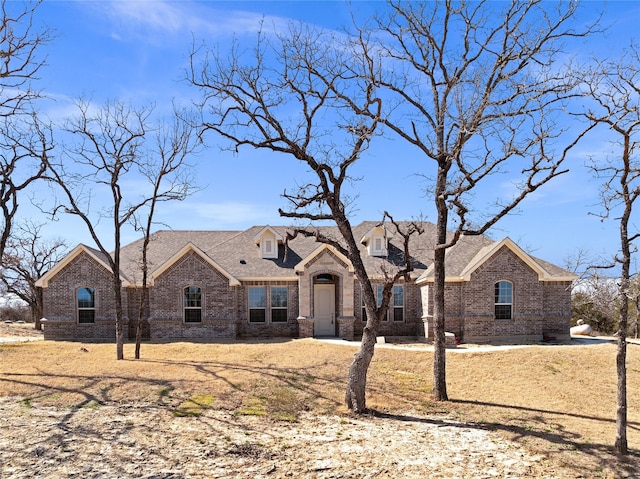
(299, 95)
(21, 146)
(108, 147)
(476, 87)
(169, 177)
(614, 88)
(26, 258)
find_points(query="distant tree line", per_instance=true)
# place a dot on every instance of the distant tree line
(596, 302)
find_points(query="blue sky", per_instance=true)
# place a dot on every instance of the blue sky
(137, 51)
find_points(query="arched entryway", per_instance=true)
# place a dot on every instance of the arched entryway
(324, 304)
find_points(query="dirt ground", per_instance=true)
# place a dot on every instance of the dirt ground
(18, 330)
(105, 434)
(127, 441)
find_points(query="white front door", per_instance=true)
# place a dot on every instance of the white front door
(324, 302)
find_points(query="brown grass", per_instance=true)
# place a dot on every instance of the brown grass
(558, 400)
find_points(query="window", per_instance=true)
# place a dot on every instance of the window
(192, 304)
(377, 245)
(378, 293)
(380, 288)
(267, 240)
(503, 299)
(86, 305)
(257, 304)
(278, 304)
(398, 303)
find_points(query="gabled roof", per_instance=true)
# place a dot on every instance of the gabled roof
(190, 247)
(324, 247)
(488, 251)
(379, 228)
(460, 264)
(95, 254)
(164, 245)
(236, 255)
(258, 237)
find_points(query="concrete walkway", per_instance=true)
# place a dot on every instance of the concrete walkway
(428, 347)
(20, 339)
(482, 348)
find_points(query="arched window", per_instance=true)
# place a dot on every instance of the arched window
(192, 304)
(86, 305)
(503, 300)
(324, 278)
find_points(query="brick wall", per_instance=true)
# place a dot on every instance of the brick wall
(454, 309)
(166, 299)
(103, 330)
(412, 313)
(208, 329)
(268, 329)
(539, 308)
(60, 301)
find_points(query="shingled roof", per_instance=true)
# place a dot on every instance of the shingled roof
(238, 256)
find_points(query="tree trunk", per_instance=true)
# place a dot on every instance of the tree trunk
(119, 339)
(119, 320)
(138, 338)
(37, 311)
(355, 397)
(439, 274)
(439, 356)
(620, 445)
(141, 315)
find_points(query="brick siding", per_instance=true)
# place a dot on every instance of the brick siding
(412, 322)
(60, 301)
(540, 309)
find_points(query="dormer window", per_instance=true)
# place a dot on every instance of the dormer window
(378, 246)
(268, 240)
(377, 241)
(268, 246)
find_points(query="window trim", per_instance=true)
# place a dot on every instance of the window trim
(268, 247)
(257, 308)
(394, 306)
(84, 309)
(390, 315)
(496, 303)
(186, 307)
(284, 308)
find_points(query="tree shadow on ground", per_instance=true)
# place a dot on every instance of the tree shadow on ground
(550, 438)
(64, 431)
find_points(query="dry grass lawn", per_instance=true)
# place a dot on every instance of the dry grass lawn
(559, 401)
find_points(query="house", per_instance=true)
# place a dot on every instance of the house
(206, 285)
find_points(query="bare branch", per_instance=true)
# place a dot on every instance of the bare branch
(107, 148)
(475, 87)
(22, 141)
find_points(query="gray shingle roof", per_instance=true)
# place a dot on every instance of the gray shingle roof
(237, 253)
